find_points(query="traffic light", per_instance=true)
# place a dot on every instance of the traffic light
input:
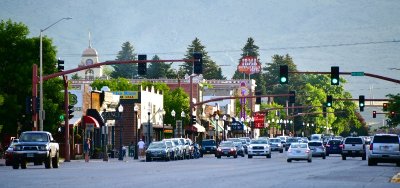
(335, 75)
(361, 102)
(385, 107)
(283, 74)
(258, 98)
(37, 109)
(70, 111)
(142, 67)
(329, 101)
(198, 63)
(292, 97)
(324, 111)
(60, 65)
(193, 119)
(373, 114)
(28, 105)
(392, 113)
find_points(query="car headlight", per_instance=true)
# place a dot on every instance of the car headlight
(17, 148)
(43, 148)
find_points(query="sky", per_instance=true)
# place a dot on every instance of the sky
(357, 35)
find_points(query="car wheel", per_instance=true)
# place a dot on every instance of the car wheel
(243, 155)
(343, 157)
(249, 156)
(309, 160)
(286, 149)
(15, 165)
(55, 161)
(289, 160)
(397, 164)
(235, 156)
(201, 155)
(323, 157)
(148, 159)
(281, 151)
(218, 157)
(371, 162)
(23, 164)
(327, 154)
(364, 157)
(268, 155)
(47, 163)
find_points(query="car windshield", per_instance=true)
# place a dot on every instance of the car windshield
(292, 140)
(334, 142)
(353, 141)
(169, 144)
(34, 137)
(275, 140)
(226, 144)
(298, 145)
(238, 144)
(156, 145)
(259, 142)
(386, 139)
(315, 144)
(208, 142)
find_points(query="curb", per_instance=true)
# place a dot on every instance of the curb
(395, 178)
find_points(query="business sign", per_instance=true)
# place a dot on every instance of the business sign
(127, 94)
(259, 120)
(236, 126)
(249, 65)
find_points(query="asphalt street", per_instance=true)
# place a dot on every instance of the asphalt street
(206, 172)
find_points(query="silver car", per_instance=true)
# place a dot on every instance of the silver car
(299, 151)
(317, 148)
(276, 144)
(384, 148)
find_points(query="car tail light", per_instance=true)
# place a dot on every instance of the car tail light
(289, 151)
(219, 149)
(327, 145)
(371, 146)
(307, 151)
(342, 146)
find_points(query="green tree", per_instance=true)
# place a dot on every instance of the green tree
(125, 70)
(394, 106)
(210, 69)
(75, 77)
(119, 84)
(18, 68)
(160, 70)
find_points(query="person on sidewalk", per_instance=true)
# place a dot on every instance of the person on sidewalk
(141, 145)
(86, 149)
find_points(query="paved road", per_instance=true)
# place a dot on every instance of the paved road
(206, 172)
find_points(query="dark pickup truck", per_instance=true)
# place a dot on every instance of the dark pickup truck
(208, 146)
(38, 147)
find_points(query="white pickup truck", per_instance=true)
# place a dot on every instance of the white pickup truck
(354, 147)
(36, 147)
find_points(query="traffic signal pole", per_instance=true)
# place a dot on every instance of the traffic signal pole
(349, 73)
(66, 120)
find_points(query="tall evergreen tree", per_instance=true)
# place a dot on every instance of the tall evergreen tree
(125, 70)
(160, 70)
(210, 68)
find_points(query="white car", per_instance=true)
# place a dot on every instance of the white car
(276, 144)
(259, 147)
(299, 151)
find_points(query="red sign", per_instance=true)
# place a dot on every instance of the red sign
(259, 120)
(249, 65)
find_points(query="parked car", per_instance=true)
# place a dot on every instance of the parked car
(239, 148)
(354, 147)
(226, 148)
(208, 146)
(334, 146)
(187, 148)
(317, 148)
(289, 141)
(276, 144)
(384, 148)
(299, 151)
(174, 149)
(158, 150)
(8, 154)
(259, 147)
(180, 154)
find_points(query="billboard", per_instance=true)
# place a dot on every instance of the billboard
(249, 65)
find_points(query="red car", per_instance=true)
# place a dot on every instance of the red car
(226, 148)
(8, 155)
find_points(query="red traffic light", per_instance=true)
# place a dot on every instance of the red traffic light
(392, 113)
(373, 114)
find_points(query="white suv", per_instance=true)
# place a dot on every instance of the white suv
(259, 147)
(384, 148)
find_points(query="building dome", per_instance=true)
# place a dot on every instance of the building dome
(89, 52)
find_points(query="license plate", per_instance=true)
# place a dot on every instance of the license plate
(225, 152)
(29, 155)
(297, 151)
(384, 147)
(208, 151)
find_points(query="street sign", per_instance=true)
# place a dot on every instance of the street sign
(357, 73)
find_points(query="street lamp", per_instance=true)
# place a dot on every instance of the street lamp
(216, 135)
(183, 124)
(120, 109)
(148, 126)
(173, 113)
(136, 108)
(224, 118)
(41, 113)
(163, 124)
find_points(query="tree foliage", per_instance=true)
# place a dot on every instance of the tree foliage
(394, 106)
(18, 53)
(119, 84)
(160, 70)
(125, 70)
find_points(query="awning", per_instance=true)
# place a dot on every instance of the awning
(74, 121)
(200, 129)
(90, 120)
(220, 128)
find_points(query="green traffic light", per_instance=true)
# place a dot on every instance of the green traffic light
(328, 104)
(334, 81)
(361, 104)
(283, 79)
(61, 117)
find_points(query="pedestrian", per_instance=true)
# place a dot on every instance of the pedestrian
(141, 145)
(86, 149)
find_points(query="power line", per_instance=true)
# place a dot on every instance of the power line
(267, 49)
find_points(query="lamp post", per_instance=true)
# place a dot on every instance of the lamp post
(41, 116)
(291, 122)
(252, 127)
(216, 135)
(120, 109)
(163, 124)
(136, 108)
(173, 113)
(183, 124)
(242, 120)
(224, 136)
(148, 127)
